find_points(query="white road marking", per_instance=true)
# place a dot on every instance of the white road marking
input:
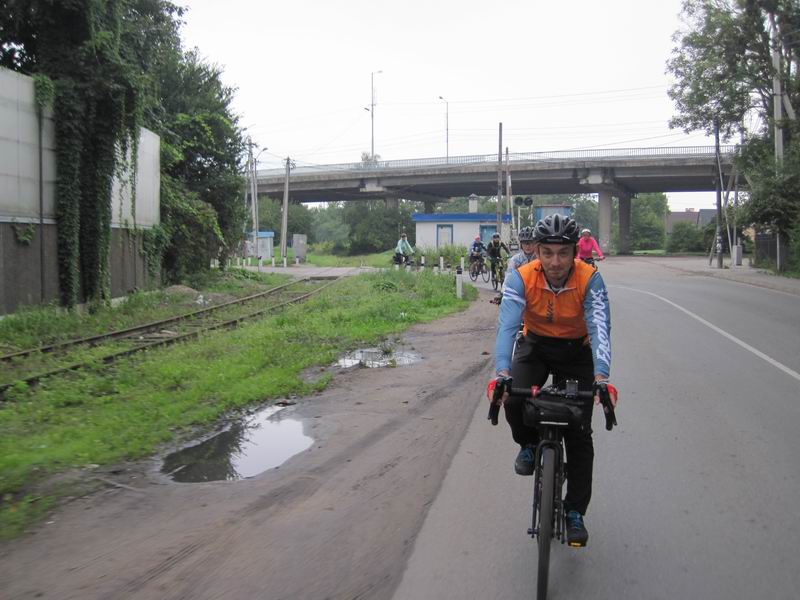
(722, 332)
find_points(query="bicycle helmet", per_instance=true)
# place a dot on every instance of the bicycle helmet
(586, 230)
(477, 238)
(496, 236)
(556, 229)
(526, 234)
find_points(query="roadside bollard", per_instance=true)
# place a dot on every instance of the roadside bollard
(441, 264)
(459, 292)
(260, 263)
(462, 264)
(273, 262)
(284, 262)
(296, 260)
(435, 270)
(422, 264)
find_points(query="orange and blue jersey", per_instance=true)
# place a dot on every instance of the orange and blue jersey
(579, 310)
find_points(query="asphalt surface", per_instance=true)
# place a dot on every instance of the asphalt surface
(694, 493)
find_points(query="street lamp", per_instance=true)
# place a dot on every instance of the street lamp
(446, 126)
(372, 111)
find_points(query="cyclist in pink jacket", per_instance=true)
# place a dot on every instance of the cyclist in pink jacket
(587, 246)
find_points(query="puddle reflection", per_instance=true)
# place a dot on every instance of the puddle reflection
(375, 357)
(247, 448)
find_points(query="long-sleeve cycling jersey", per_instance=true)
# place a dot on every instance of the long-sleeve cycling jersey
(586, 246)
(579, 310)
(519, 259)
(403, 247)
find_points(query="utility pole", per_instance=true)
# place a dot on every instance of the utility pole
(718, 234)
(777, 114)
(508, 190)
(499, 177)
(251, 181)
(285, 212)
(254, 192)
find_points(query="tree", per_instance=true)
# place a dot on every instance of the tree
(374, 227)
(585, 211)
(329, 226)
(685, 237)
(300, 219)
(647, 221)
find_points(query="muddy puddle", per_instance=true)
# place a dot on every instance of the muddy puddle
(377, 357)
(248, 447)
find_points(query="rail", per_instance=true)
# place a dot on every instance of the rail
(477, 159)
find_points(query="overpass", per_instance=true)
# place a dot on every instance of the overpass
(619, 172)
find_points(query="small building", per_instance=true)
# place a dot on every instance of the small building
(459, 229)
(264, 245)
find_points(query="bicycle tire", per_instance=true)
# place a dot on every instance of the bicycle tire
(473, 272)
(485, 274)
(546, 518)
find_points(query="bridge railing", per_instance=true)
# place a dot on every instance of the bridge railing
(474, 159)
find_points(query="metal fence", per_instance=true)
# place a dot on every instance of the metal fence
(477, 159)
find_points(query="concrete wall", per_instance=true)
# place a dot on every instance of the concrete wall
(22, 265)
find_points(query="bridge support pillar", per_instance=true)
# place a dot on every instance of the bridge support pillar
(624, 224)
(392, 203)
(604, 220)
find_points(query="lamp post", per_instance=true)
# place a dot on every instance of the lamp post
(446, 127)
(372, 112)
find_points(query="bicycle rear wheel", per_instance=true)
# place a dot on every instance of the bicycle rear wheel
(495, 281)
(546, 518)
(473, 271)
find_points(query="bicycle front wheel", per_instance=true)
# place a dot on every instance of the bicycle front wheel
(473, 271)
(485, 274)
(546, 519)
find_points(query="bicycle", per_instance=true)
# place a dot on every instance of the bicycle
(551, 410)
(498, 273)
(477, 266)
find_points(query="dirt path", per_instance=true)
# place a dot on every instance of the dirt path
(336, 521)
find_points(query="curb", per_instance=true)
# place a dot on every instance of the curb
(732, 277)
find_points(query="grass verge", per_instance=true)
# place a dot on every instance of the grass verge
(104, 417)
(381, 259)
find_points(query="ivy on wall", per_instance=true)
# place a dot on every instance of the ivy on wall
(95, 92)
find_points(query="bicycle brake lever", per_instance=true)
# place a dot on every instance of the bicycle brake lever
(608, 412)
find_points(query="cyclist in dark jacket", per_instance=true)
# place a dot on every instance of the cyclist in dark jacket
(494, 250)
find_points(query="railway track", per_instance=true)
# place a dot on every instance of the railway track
(33, 365)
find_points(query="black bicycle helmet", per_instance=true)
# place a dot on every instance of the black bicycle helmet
(556, 229)
(526, 234)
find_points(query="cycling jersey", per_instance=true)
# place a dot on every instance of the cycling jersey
(578, 310)
(519, 259)
(586, 246)
(493, 250)
(477, 248)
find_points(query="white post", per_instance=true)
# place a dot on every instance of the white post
(459, 291)
(284, 262)
(260, 263)
(441, 264)
(422, 265)
(273, 262)
(462, 264)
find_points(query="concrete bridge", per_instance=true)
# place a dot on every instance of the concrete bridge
(621, 173)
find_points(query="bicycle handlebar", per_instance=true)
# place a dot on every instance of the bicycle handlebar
(550, 393)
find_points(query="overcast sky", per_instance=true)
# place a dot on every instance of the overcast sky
(558, 75)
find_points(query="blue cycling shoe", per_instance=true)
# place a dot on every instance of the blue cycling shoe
(577, 536)
(524, 463)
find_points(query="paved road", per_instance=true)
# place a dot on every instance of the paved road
(695, 493)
